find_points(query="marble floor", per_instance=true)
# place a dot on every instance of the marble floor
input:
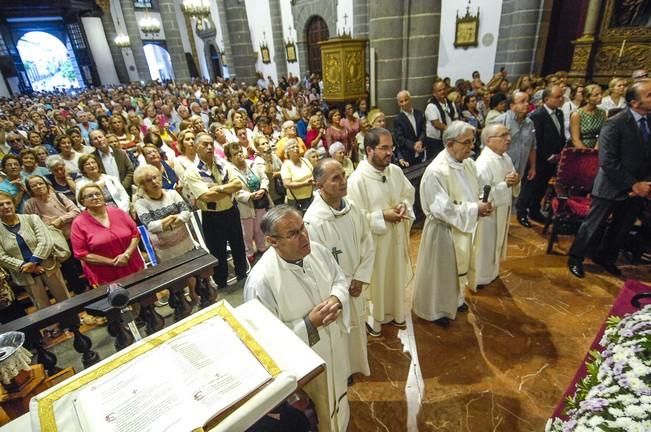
(504, 365)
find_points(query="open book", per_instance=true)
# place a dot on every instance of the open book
(177, 386)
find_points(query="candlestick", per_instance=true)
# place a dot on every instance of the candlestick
(621, 50)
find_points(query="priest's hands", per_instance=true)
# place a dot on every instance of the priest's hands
(512, 179)
(396, 214)
(485, 209)
(355, 288)
(325, 312)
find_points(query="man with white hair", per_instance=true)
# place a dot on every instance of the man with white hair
(385, 196)
(341, 227)
(409, 130)
(449, 195)
(300, 282)
(495, 168)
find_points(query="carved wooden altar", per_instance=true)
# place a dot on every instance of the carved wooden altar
(620, 47)
(344, 69)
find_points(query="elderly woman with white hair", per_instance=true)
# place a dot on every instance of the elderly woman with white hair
(296, 173)
(289, 133)
(338, 152)
(450, 197)
(62, 180)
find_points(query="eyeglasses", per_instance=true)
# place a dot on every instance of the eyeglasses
(466, 142)
(293, 234)
(504, 135)
(153, 179)
(93, 195)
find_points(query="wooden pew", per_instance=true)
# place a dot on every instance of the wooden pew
(171, 275)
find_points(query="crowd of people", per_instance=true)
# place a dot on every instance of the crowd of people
(265, 165)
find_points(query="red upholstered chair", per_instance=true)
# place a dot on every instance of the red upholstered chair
(577, 169)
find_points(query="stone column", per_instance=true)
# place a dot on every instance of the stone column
(520, 30)
(116, 53)
(173, 40)
(360, 18)
(226, 40)
(133, 31)
(405, 38)
(279, 41)
(584, 46)
(242, 60)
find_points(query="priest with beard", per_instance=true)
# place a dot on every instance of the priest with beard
(300, 283)
(385, 197)
(341, 227)
(449, 195)
(495, 168)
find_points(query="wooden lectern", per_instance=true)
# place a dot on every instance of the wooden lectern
(343, 62)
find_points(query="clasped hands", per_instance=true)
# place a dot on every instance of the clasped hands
(512, 179)
(170, 222)
(32, 267)
(326, 312)
(396, 214)
(641, 189)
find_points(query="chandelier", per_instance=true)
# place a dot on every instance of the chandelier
(149, 25)
(122, 41)
(196, 8)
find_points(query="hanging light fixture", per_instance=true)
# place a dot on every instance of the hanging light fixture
(122, 41)
(196, 8)
(149, 25)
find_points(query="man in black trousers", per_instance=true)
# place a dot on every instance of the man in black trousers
(550, 140)
(622, 184)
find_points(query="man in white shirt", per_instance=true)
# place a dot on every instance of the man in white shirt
(114, 161)
(437, 117)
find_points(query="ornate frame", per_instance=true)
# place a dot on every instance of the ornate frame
(265, 54)
(290, 51)
(466, 32)
(612, 34)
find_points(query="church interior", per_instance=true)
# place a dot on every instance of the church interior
(474, 176)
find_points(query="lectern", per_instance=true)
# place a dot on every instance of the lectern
(343, 62)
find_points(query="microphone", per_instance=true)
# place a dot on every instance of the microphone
(487, 191)
(117, 295)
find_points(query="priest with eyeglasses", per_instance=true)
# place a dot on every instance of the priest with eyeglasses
(450, 198)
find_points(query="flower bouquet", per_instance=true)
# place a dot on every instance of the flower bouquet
(615, 395)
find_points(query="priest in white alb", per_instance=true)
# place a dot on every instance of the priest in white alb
(386, 198)
(300, 282)
(449, 196)
(495, 168)
(341, 227)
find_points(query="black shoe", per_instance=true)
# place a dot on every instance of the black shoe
(442, 322)
(576, 268)
(524, 221)
(610, 267)
(402, 325)
(372, 332)
(463, 308)
(538, 217)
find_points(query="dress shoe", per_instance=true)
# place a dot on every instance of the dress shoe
(576, 268)
(463, 308)
(610, 267)
(372, 332)
(402, 325)
(524, 221)
(442, 322)
(538, 217)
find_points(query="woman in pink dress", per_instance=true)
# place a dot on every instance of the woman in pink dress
(104, 239)
(336, 131)
(352, 125)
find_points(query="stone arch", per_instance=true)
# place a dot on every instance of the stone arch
(303, 11)
(210, 49)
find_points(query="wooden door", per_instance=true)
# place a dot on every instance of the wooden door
(317, 31)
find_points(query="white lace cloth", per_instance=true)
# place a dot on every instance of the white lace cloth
(12, 366)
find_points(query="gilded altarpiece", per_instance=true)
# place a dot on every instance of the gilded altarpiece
(344, 69)
(622, 45)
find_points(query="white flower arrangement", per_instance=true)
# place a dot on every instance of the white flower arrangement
(615, 395)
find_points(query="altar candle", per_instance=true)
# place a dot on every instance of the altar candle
(621, 50)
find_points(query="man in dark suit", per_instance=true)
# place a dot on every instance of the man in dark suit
(621, 185)
(409, 130)
(550, 140)
(112, 160)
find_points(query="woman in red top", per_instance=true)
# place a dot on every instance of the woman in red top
(337, 132)
(105, 239)
(315, 133)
